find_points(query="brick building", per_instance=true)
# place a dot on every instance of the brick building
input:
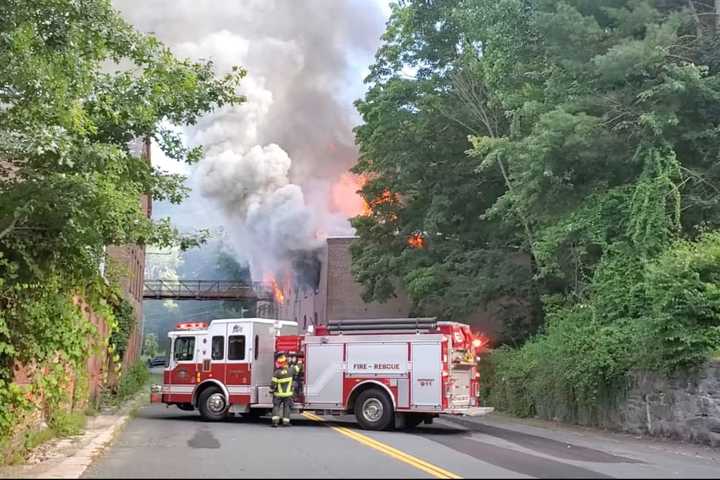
(129, 261)
(338, 296)
(129, 264)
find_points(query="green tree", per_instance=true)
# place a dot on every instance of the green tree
(590, 129)
(78, 86)
(150, 345)
(421, 182)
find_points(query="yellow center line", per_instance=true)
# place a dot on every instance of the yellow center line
(426, 467)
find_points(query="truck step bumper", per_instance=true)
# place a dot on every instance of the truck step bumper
(471, 411)
(156, 394)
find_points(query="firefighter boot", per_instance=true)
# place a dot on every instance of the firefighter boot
(286, 422)
(275, 421)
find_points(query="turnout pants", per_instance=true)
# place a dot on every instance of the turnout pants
(281, 409)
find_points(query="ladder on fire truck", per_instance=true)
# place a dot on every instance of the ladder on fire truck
(383, 325)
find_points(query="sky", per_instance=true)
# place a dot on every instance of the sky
(275, 164)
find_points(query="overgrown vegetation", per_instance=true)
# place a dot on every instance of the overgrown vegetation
(132, 381)
(564, 153)
(78, 86)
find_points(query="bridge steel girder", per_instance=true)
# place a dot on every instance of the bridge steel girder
(206, 290)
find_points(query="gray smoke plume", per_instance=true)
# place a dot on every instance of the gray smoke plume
(271, 162)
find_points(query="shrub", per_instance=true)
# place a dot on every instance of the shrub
(661, 315)
(132, 380)
(68, 423)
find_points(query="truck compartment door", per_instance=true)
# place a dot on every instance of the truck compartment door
(426, 388)
(324, 376)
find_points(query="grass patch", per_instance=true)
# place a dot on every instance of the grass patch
(38, 437)
(131, 382)
(67, 424)
(136, 377)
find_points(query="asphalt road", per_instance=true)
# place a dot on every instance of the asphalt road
(166, 442)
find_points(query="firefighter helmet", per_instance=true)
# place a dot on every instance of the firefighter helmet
(281, 359)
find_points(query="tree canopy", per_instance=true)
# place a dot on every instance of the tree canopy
(78, 86)
(581, 135)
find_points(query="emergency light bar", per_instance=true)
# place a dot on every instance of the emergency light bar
(191, 326)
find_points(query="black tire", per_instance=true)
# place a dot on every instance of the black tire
(374, 410)
(188, 407)
(208, 406)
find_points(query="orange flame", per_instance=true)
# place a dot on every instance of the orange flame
(386, 197)
(277, 291)
(416, 241)
(345, 197)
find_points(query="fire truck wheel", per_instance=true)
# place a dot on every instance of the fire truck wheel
(212, 404)
(373, 410)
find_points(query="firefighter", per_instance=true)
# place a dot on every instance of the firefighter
(296, 370)
(282, 390)
(298, 375)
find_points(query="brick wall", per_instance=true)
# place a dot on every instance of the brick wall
(130, 259)
(97, 367)
(344, 300)
(339, 297)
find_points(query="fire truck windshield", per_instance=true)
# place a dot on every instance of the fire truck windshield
(184, 348)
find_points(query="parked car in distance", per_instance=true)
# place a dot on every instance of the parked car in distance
(157, 362)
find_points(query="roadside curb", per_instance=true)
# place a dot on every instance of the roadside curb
(75, 465)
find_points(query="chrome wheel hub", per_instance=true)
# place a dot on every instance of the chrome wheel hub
(372, 409)
(216, 403)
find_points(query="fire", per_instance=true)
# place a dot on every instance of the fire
(276, 288)
(416, 241)
(386, 197)
(277, 293)
(345, 197)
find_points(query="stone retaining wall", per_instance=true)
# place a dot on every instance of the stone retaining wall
(685, 406)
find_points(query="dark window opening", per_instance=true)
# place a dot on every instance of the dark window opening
(236, 347)
(218, 348)
(257, 346)
(184, 348)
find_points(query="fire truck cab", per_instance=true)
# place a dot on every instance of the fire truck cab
(387, 372)
(221, 368)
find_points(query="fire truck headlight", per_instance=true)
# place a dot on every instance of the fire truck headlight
(477, 343)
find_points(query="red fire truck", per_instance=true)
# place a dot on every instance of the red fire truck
(390, 372)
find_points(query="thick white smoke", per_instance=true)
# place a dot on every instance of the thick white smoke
(271, 161)
(269, 218)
